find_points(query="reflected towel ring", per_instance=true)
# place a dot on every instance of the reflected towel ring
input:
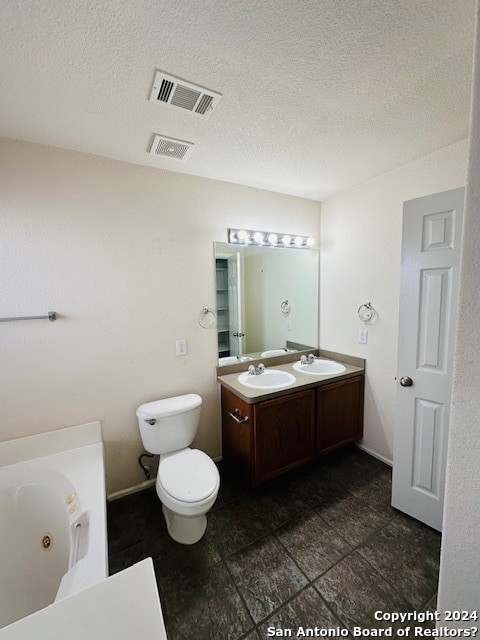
(366, 312)
(207, 318)
(285, 307)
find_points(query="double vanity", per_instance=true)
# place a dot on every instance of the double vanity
(291, 412)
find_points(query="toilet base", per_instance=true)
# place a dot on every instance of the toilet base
(183, 529)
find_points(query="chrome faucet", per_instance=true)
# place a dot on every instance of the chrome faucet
(256, 370)
(310, 359)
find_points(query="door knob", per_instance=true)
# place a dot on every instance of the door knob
(405, 381)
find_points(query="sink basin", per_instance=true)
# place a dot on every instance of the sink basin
(275, 352)
(233, 360)
(269, 379)
(320, 367)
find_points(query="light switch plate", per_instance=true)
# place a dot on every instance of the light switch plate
(181, 347)
(362, 336)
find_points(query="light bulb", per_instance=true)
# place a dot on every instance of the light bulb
(258, 237)
(272, 238)
(286, 240)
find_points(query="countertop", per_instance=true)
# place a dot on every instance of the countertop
(353, 367)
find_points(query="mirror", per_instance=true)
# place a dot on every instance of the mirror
(267, 300)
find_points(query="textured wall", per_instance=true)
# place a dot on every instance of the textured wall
(361, 231)
(125, 255)
(459, 586)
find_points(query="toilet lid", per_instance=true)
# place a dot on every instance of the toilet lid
(189, 475)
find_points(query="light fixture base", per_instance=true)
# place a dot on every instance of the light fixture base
(269, 239)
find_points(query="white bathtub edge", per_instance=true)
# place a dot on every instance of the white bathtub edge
(44, 444)
(83, 467)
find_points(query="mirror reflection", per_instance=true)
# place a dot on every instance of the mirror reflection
(267, 300)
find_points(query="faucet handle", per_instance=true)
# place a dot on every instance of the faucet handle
(303, 359)
(255, 371)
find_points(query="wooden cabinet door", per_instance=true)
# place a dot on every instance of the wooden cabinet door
(339, 414)
(237, 433)
(284, 434)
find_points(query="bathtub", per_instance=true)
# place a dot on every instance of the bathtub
(52, 519)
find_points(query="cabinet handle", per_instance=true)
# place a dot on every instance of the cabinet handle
(235, 415)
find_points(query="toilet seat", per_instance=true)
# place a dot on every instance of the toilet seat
(188, 476)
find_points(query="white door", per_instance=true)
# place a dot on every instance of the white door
(428, 298)
(235, 305)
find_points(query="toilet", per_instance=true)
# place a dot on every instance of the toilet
(187, 479)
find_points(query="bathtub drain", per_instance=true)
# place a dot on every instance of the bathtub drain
(47, 540)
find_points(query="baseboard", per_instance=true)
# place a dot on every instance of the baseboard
(129, 490)
(140, 487)
(374, 454)
(115, 495)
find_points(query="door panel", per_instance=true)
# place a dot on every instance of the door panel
(428, 295)
(429, 425)
(284, 434)
(339, 414)
(434, 308)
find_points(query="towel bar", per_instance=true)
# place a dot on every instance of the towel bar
(52, 315)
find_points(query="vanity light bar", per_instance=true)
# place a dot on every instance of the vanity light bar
(269, 239)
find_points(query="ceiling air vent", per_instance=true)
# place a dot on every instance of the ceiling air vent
(182, 95)
(170, 148)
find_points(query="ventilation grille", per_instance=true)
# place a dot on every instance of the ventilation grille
(182, 95)
(171, 148)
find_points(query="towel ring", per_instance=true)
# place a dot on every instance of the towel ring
(207, 318)
(366, 312)
(285, 307)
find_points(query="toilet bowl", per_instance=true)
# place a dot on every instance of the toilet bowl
(187, 485)
(187, 479)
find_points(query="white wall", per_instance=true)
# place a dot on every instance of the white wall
(361, 231)
(459, 586)
(125, 255)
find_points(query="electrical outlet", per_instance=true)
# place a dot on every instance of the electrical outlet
(181, 347)
(362, 336)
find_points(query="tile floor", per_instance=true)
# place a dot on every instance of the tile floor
(318, 548)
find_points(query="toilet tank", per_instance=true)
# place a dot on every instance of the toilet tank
(175, 423)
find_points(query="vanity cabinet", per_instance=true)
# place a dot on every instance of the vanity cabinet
(270, 437)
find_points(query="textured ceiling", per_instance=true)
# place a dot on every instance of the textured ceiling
(317, 95)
